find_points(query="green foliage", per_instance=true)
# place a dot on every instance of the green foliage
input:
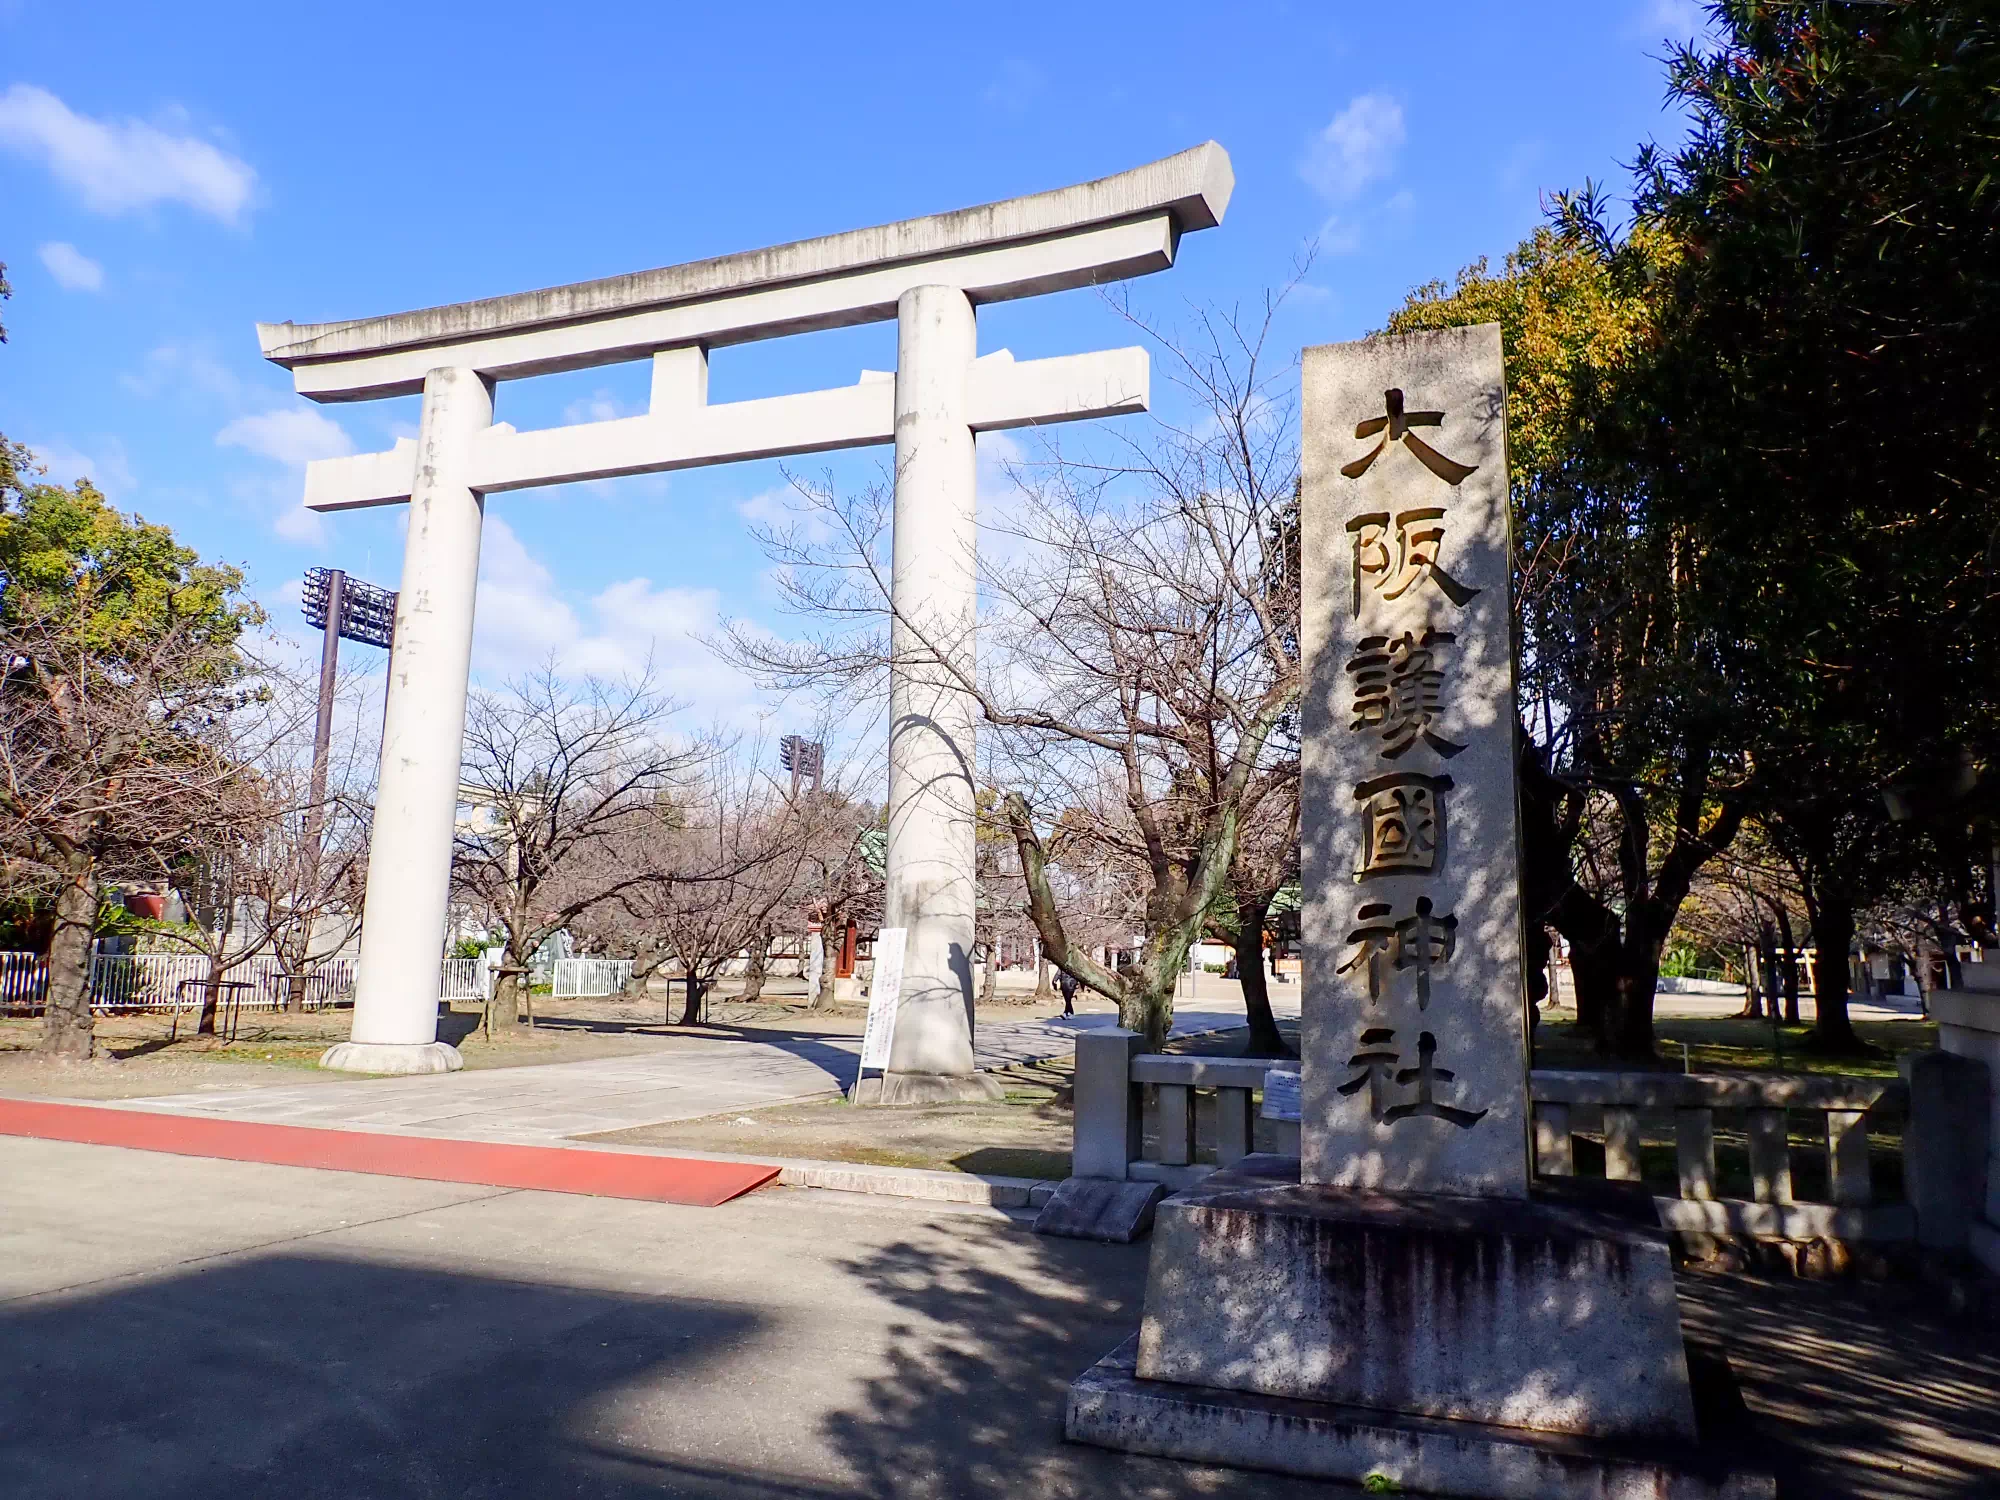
(1679, 959)
(1828, 377)
(111, 583)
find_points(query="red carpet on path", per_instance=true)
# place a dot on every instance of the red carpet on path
(552, 1169)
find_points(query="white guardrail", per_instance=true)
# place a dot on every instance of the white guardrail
(157, 981)
(153, 981)
(589, 976)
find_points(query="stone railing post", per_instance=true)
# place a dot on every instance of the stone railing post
(1107, 1103)
(1945, 1145)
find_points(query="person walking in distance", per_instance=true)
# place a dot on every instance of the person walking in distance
(1066, 982)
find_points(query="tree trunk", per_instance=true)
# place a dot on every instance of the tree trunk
(1147, 1006)
(987, 982)
(1789, 978)
(1755, 981)
(753, 970)
(211, 996)
(639, 983)
(66, 1020)
(828, 984)
(1833, 931)
(1265, 1039)
(507, 994)
(1593, 934)
(1627, 1035)
(691, 1007)
(1044, 987)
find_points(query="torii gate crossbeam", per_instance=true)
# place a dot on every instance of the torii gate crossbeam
(929, 275)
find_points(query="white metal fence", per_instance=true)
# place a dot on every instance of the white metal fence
(589, 976)
(464, 979)
(24, 979)
(158, 981)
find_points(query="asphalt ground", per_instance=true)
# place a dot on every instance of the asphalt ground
(183, 1327)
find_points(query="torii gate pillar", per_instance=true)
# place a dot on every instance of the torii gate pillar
(931, 874)
(423, 731)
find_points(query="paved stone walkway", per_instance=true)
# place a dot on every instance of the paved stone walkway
(547, 1103)
(182, 1328)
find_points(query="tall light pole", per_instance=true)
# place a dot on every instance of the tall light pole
(339, 606)
(803, 758)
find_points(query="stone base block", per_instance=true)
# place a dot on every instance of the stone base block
(1111, 1407)
(392, 1057)
(1098, 1208)
(1511, 1312)
(929, 1088)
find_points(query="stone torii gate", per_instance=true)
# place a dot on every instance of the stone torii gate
(929, 275)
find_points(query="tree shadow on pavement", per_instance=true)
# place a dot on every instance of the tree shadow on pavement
(972, 1402)
(1854, 1398)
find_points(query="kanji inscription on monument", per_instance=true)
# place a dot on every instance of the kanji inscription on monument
(1415, 1062)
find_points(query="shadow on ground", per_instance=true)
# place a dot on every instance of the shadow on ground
(1857, 1390)
(323, 1378)
(307, 1377)
(971, 1404)
(936, 1366)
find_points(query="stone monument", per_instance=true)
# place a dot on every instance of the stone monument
(1395, 1302)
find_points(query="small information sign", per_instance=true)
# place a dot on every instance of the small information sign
(884, 990)
(1281, 1094)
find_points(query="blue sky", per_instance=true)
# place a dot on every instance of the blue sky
(171, 175)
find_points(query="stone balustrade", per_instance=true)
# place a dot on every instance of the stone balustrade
(1622, 1106)
(1137, 1114)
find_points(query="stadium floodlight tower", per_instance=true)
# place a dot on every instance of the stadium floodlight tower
(928, 275)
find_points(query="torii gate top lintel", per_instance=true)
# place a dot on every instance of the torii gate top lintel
(1125, 225)
(616, 318)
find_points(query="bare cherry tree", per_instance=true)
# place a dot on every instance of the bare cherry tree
(713, 877)
(1267, 860)
(559, 778)
(271, 870)
(840, 874)
(111, 750)
(1139, 630)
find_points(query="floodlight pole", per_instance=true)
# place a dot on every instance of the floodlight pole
(329, 670)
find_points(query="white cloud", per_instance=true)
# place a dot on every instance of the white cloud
(106, 466)
(1676, 20)
(523, 618)
(782, 509)
(290, 435)
(182, 368)
(293, 436)
(296, 524)
(1357, 148)
(599, 406)
(73, 270)
(121, 165)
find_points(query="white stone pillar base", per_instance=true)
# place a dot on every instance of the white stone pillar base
(930, 1088)
(392, 1057)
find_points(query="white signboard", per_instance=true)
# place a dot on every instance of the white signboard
(884, 990)
(1281, 1094)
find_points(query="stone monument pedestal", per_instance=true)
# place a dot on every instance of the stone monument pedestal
(1484, 1348)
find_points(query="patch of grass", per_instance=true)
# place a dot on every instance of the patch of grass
(1734, 1044)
